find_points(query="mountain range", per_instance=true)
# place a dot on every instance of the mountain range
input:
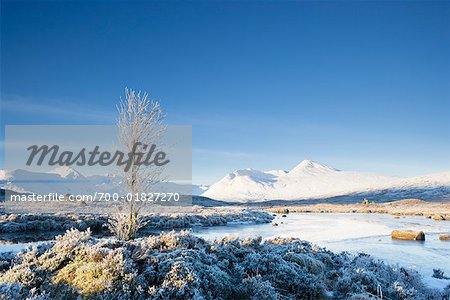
(67, 180)
(308, 180)
(312, 180)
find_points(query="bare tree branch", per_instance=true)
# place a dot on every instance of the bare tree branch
(140, 121)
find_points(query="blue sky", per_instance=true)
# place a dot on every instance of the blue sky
(357, 85)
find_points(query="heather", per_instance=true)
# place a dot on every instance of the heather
(13, 223)
(182, 266)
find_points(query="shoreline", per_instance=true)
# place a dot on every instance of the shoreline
(439, 211)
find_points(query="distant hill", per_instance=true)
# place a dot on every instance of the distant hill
(67, 180)
(311, 180)
(308, 182)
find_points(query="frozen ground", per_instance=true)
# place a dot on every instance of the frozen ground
(368, 233)
(412, 207)
(352, 232)
(183, 266)
(19, 228)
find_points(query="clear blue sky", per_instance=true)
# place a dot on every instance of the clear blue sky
(357, 85)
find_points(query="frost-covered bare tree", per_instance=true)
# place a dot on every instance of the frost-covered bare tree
(140, 125)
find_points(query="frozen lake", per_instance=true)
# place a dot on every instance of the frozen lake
(368, 233)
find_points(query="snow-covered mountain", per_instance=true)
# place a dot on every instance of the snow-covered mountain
(23, 181)
(67, 180)
(310, 180)
(67, 172)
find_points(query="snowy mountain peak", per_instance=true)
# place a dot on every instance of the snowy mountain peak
(245, 172)
(66, 172)
(312, 180)
(308, 165)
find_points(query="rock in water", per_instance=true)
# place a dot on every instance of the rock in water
(439, 218)
(444, 237)
(282, 210)
(408, 235)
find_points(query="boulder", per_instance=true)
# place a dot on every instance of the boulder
(439, 218)
(444, 237)
(282, 210)
(408, 235)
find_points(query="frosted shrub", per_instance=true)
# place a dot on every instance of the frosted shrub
(363, 274)
(181, 266)
(49, 222)
(255, 288)
(119, 225)
(125, 227)
(92, 273)
(310, 264)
